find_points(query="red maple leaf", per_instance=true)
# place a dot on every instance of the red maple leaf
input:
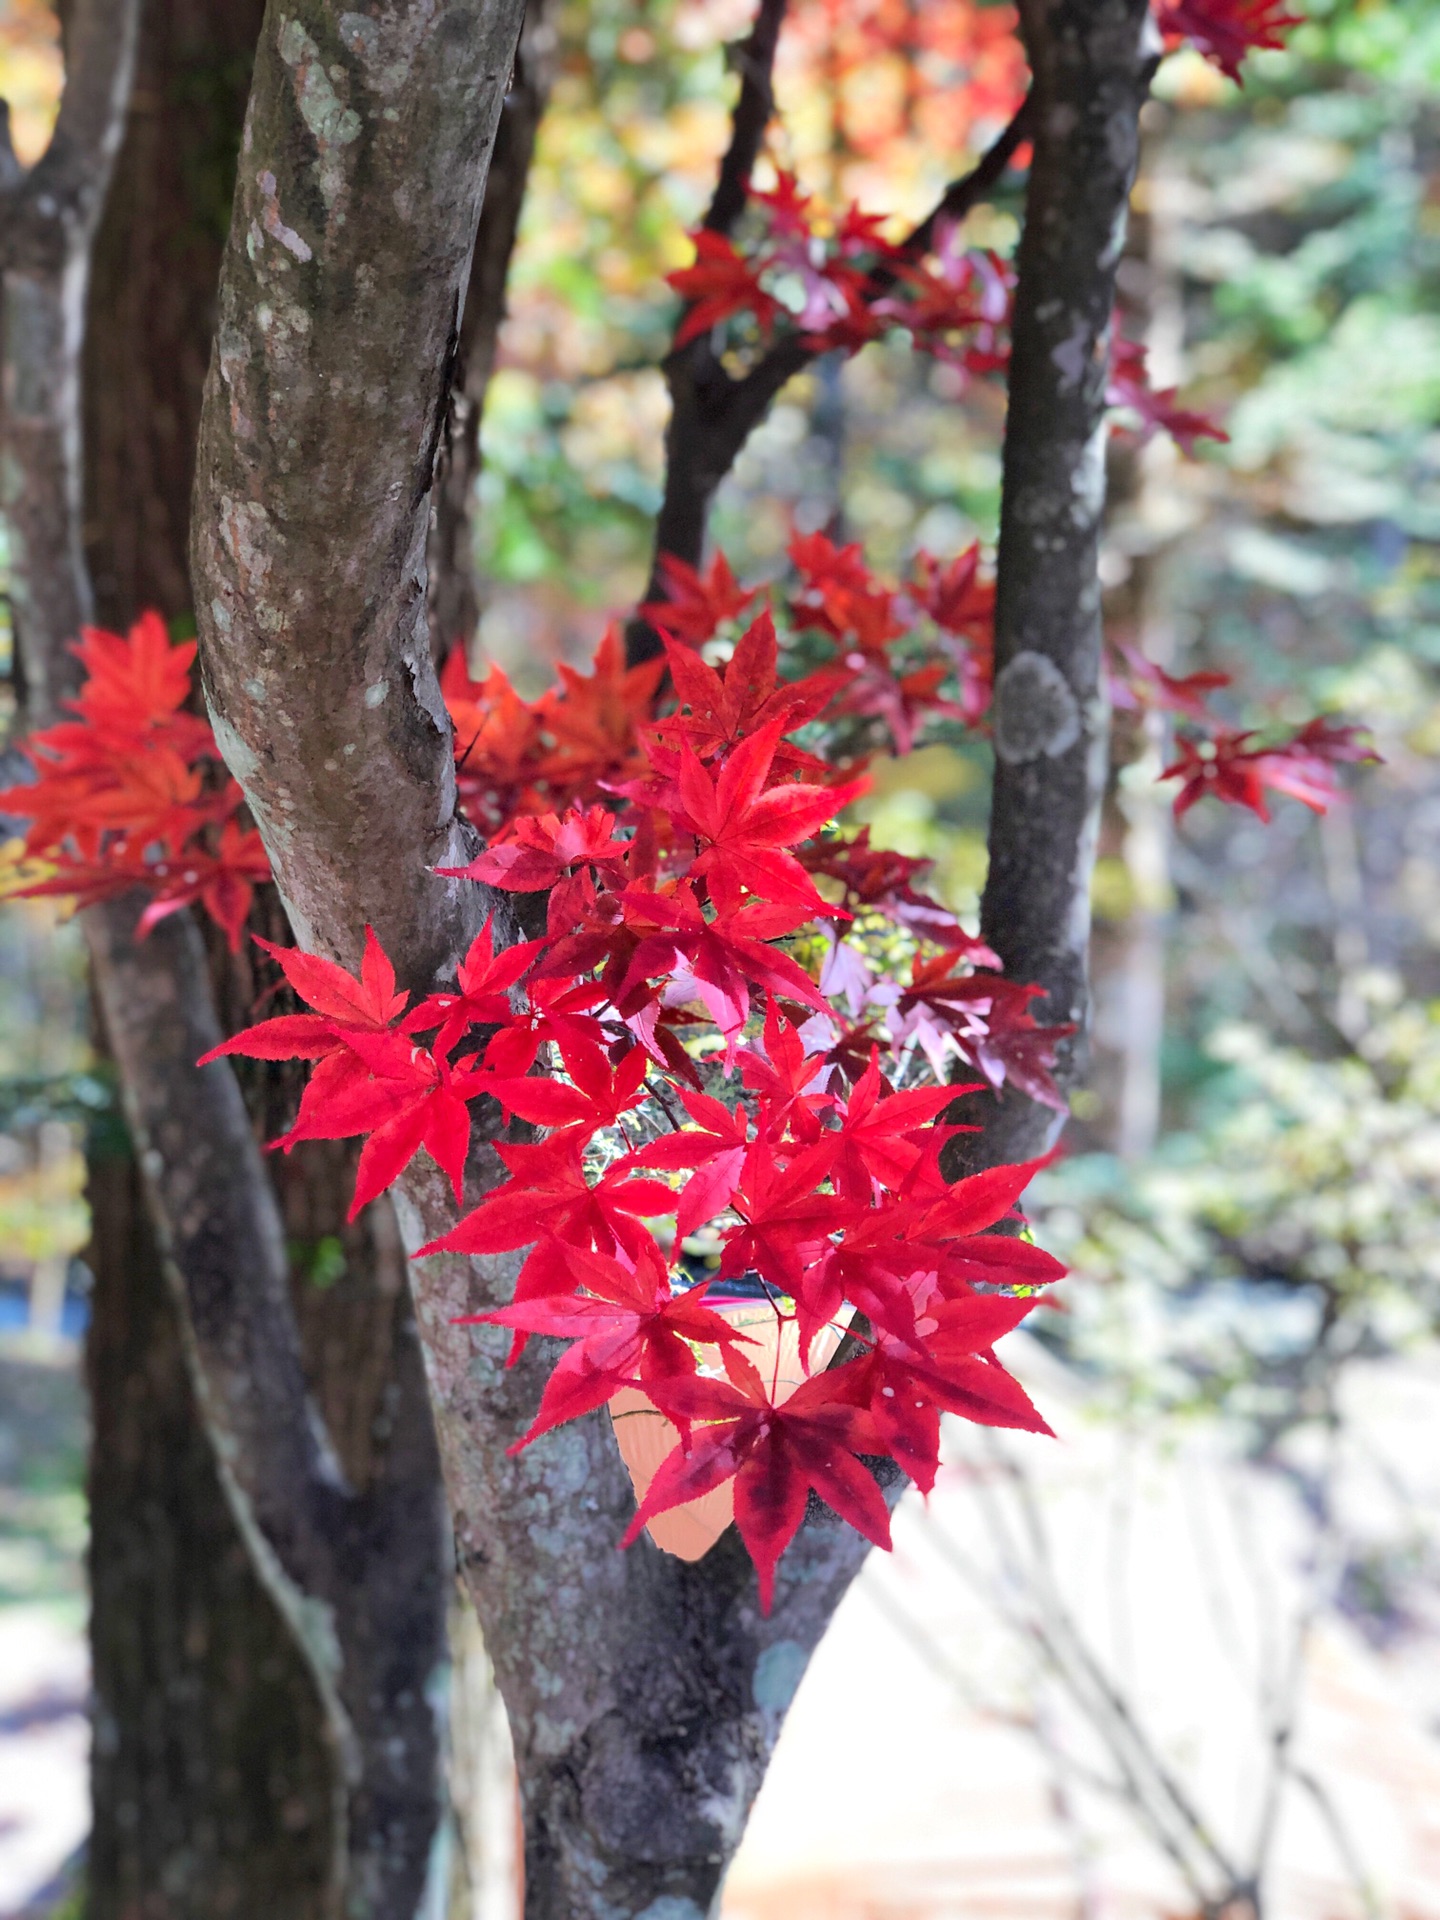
(715, 1147)
(907, 1386)
(785, 1218)
(402, 1097)
(745, 830)
(721, 958)
(341, 1002)
(784, 1077)
(481, 999)
(877, 1129)
(695, 604)
(539, 848)
(775, 1454)
(1226, 30)
(548, 1193)
(722, 282)
(1129, 386)
(955, 596)
(628, 1327)
(599, 1095)
(746, 696)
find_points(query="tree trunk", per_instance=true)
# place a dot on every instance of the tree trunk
(211, 1776)
(212, 1780)
(1092, 62)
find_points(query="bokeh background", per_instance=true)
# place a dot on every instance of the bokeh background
(1193, 1650)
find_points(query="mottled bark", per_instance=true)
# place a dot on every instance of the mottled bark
(453, 587)
(1092, 61)
(361, 178)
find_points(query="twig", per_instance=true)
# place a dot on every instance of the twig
(754, 59)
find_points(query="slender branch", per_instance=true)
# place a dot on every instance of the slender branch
(450, 562)
(755, 60)
(48, 214)
(713, 412)
(1092, 61)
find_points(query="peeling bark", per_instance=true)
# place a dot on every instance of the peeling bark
(1092, 61)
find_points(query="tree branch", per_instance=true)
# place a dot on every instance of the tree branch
(48, 214)
(714, 412)
(1092, 61)
(754, 60)
(453, 592)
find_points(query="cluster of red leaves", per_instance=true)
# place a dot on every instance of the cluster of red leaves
(841, 284)
(1221, 761)
(127, 794)
(843, 287)
(901, 655)
(1225, 30)
(516, 757)
(699, 1075)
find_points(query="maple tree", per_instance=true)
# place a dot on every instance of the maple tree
(628, 914)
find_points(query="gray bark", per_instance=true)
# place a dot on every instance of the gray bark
(1092, 61)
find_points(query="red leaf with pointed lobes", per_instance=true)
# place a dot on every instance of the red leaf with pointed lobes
(722, 958)
(342, 1002)
(955, 596)
(548, 1193)
(715, 1147)
(695, 604)
(483, 979)
(784, 1077)
(785, 1220)
(776, 1454)
(1226, 30)
(541, 847)
(745, 829)
(726, 707)
(628, 1328)
(600, 1095)
(721, 283)
(876, 1129)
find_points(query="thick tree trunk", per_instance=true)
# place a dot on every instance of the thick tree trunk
(212, 1775)
(212, 1779)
